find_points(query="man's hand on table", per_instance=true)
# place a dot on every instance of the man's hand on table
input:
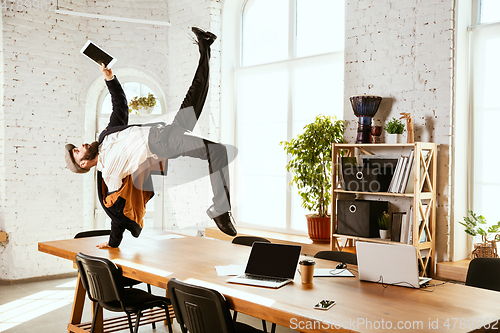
(104, 245)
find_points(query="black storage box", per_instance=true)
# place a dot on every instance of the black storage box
(359, 217)
(374, 175)
(361, 179)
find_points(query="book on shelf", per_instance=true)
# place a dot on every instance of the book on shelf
(409, 239)
(398, 177)
(406, 177)
(397, 171)
(396, 224)
(345, 162)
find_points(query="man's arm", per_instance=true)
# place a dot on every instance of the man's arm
(119, 116)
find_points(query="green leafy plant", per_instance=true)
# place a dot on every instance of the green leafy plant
(383, 221)
(142, 102)
(311, 162)
(473, 228)
(394, 126)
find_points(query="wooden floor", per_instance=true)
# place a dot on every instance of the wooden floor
(453, 270)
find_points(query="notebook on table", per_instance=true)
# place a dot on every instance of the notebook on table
(270, 265)
(389, 264)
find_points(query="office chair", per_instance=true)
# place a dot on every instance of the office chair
(484, 273)
(101, 278)
(200, 310)
(248, 241)
(127, 282)
(340, 256)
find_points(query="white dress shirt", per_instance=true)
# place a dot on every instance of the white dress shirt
(121, 154)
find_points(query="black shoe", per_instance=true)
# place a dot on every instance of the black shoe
(223, 221)
(203, 35)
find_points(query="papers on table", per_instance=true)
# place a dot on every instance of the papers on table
(328, 272)
(230, 270)
(167, 236)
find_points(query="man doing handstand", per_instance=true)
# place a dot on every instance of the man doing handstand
(126, 156)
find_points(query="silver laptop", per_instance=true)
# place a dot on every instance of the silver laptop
(389, 264)
(270, 265)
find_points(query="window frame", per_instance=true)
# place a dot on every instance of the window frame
(232, 69)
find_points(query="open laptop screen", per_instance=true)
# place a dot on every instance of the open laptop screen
(276, 260)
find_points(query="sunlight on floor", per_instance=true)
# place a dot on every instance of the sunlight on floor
(33, 306)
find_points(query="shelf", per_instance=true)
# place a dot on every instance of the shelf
(409, 195)
(423, 195)
(425, 154)
(371, 240)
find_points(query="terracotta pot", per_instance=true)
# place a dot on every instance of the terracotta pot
(318, 228)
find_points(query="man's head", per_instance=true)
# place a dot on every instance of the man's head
(81, 159)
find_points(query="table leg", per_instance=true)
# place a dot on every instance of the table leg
(78, 302)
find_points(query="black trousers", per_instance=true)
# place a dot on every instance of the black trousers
(176, 139)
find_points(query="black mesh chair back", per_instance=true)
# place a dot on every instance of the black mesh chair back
(484, 273)
(92, 233)
(101, 278)
(202, 310)
(248, 240)
(339, 256)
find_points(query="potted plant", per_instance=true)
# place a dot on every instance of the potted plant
(395, 128)
(311, 168)
(383, 224)
(142, 105)
(472, 226)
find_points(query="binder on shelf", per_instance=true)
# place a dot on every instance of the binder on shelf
(410, 227)
(385, 165)
(396, 224)
(406, 176)
(392, 185)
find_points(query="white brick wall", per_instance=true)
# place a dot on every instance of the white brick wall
(46, 82)
(402, 51)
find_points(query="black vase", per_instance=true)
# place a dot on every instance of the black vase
(364, 107)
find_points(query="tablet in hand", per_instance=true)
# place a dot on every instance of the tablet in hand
(97, 55)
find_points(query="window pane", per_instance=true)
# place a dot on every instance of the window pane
(261, 125)
(314, 93)
(490, 11)
(486, 111)
(265, 31)
(320, 26)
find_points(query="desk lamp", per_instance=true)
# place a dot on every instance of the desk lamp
(365, 107)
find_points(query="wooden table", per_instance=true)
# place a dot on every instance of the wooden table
(361, 306)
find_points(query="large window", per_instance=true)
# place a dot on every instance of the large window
(291, 68)
(485, 73)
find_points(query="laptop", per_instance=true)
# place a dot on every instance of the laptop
(270, 265)
(389, 264)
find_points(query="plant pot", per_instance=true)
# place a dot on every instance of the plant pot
(485, 250)
(383, 233)
(394, 138)
(145, 110)
(318, 228)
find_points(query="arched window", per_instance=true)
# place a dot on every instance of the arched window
(288, 67)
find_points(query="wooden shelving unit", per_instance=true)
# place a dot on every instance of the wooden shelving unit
(424, 193)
